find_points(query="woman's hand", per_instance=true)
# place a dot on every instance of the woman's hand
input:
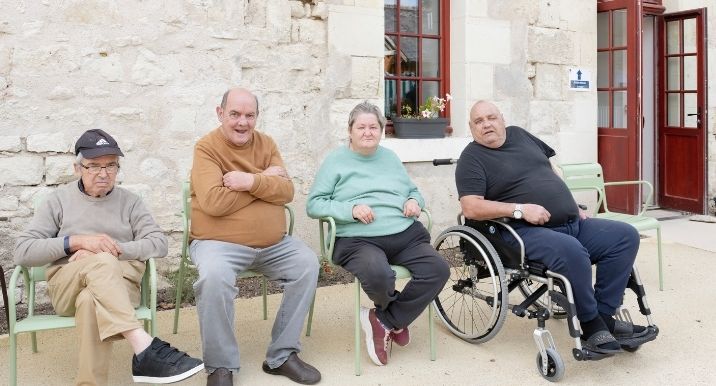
(363, 213)
(411, 208)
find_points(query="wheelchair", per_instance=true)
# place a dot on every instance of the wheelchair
(486, 269)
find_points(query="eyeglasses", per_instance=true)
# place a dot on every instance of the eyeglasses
(95, 169)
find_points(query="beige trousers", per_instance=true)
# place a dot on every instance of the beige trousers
(101, 292)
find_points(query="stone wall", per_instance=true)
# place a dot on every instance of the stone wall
(152, 73)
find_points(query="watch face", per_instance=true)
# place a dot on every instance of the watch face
(517, 214)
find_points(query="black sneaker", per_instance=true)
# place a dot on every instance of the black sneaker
(162, 363)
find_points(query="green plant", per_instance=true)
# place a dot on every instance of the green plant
(432, 107)
(190, 276)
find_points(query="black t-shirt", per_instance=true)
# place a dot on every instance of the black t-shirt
(519, 171)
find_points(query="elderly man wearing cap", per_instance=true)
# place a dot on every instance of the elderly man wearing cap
(95, 237)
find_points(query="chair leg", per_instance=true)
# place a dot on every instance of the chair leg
(431, 328)
(33, 338)
(310, 316)
(658, 247)
(13, 359)
(264, 290)
(356, 333)
(180, 285)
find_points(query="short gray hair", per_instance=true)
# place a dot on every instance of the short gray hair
(366, 107)
(79, 158)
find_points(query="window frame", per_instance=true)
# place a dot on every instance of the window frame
(443, 38)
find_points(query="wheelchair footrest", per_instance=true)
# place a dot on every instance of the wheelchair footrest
(588, 355)
(633, 343)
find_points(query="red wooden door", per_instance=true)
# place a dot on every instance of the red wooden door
(619, 98)
(682, 101)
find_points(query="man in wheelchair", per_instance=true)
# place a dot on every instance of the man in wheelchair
(506, 172)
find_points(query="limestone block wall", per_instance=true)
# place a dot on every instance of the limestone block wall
(152, 73)
(518, 53)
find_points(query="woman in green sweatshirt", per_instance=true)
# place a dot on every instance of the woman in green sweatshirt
(367, 191)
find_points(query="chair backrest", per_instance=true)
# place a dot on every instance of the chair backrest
(585, 177)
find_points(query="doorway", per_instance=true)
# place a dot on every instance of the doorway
(681, 127)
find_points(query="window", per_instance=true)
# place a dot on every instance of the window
(416, 53)
(612, 69)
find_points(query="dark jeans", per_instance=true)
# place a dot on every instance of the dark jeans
(369, 259)
(571, 248)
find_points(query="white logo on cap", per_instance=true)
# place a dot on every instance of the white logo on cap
(101, 142)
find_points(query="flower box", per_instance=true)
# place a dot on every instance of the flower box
(420, 128)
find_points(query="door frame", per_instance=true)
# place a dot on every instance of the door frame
(702, 102)
(632, 133)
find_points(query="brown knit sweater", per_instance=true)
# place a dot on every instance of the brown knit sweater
(254, 218)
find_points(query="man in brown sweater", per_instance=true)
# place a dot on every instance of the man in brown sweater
(239, 188)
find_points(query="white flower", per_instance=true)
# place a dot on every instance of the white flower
(448, 97)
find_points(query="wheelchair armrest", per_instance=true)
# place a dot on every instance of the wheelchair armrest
(503, 222)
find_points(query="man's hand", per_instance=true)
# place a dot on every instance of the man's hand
(363, 213)
(583, 214)
(95, 244)
(239, 181)
(411, 208)
(535, 214)
(80, 254)
(276, 171)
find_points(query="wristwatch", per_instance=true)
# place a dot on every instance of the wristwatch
(517, 213)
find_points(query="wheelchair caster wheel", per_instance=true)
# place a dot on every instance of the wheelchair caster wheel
(555, 366)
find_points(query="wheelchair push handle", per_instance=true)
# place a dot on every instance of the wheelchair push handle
(444, 161)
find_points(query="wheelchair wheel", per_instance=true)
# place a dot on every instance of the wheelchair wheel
(474, 303)
(555, 366)
(527, 287)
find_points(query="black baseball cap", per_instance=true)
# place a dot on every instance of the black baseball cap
(96, 143)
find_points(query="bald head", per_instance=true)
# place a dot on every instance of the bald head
(236, 91)
(487, 124)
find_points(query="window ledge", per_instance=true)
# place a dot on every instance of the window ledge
(425, 150)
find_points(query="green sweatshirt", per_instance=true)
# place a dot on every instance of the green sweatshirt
(67, 211)
(347, 179)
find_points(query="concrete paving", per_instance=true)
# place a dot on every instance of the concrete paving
(682, 354)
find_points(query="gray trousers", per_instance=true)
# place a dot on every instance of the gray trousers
(290, 262)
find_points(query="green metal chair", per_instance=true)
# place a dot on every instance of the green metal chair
(186, 260)
(589, 177)
(327, 234)
(146, 311)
